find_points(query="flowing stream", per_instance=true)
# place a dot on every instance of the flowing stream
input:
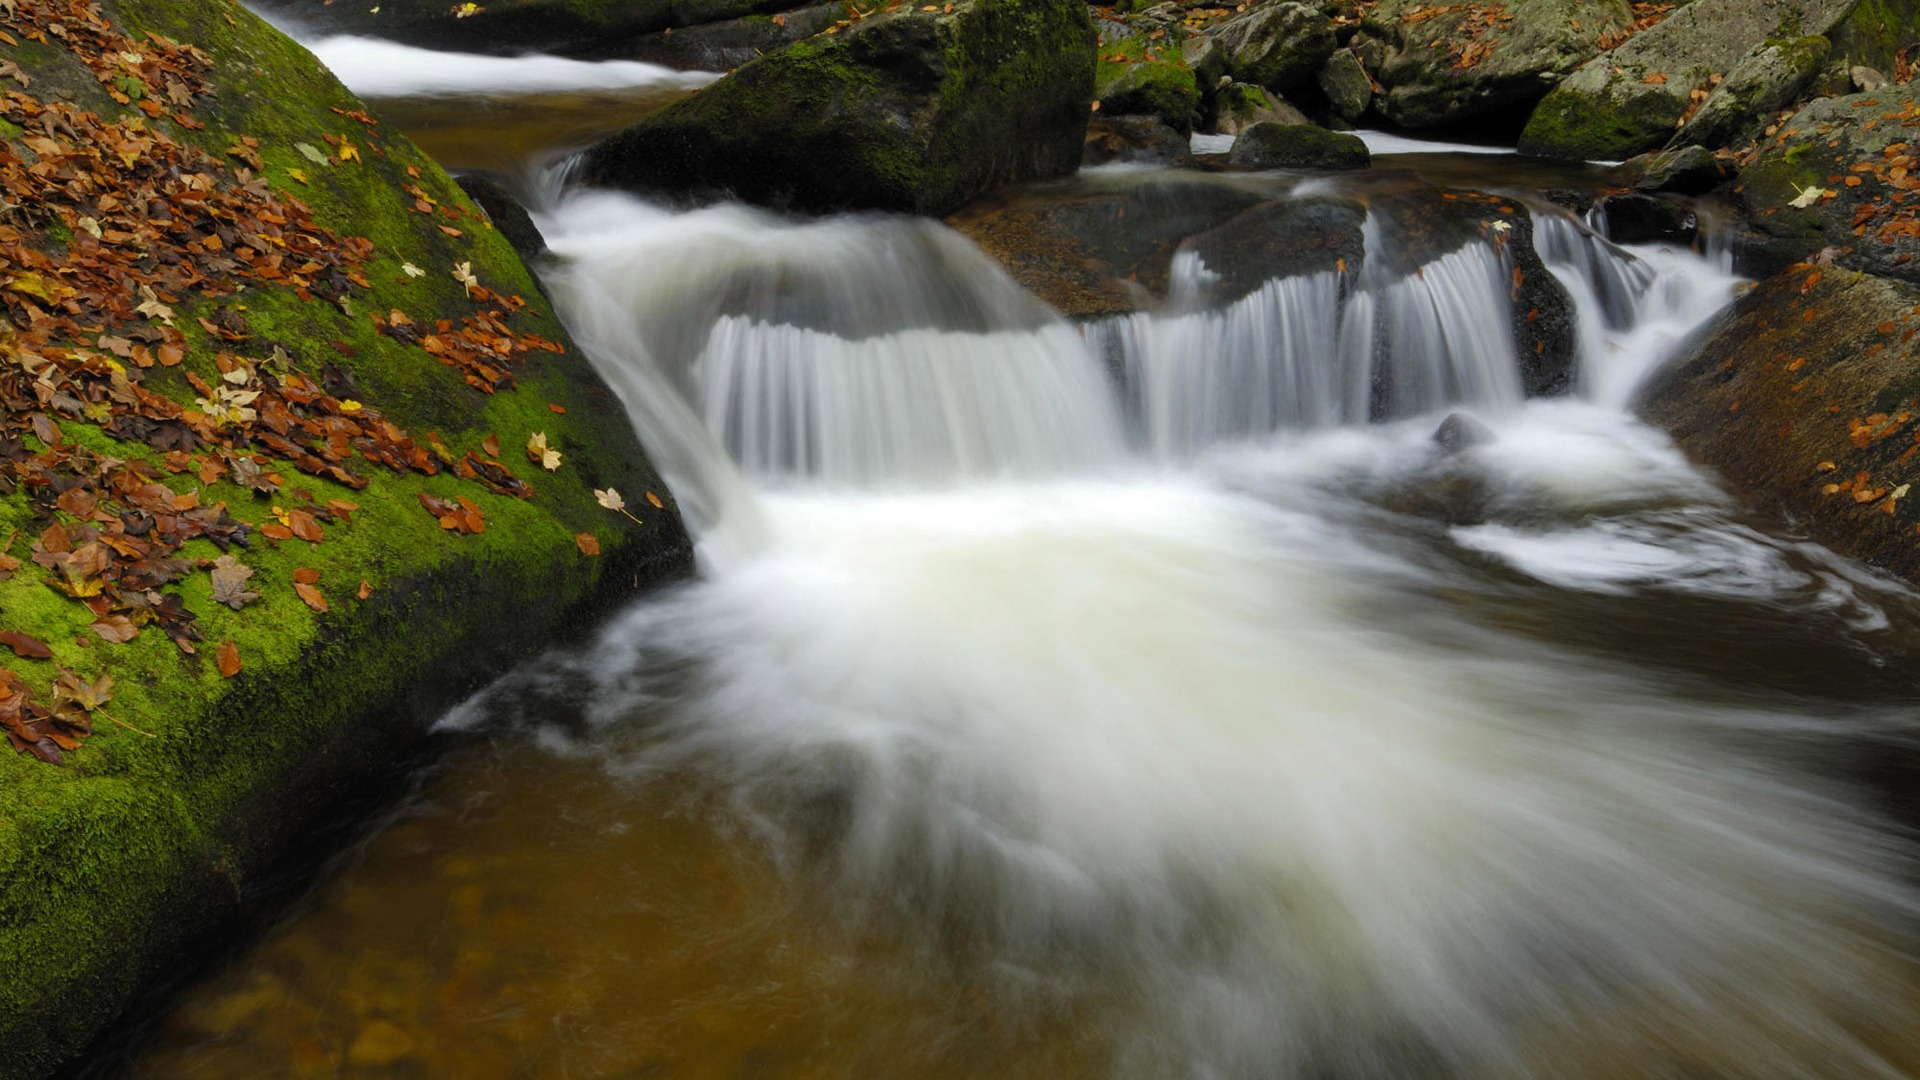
(1117, 700)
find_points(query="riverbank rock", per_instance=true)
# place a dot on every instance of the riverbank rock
(1267, 145)
(1142, 72)
(1804, 398)
(1134, 140)
(1239, 106)
(1717, 67)
(728, 43)
(1688, 170)
(275, 428)
(1278, 45)
(1441, 64)
(1832, 182)
(601, 29)
(911, 110)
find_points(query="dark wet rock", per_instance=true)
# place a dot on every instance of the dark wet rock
(1269, 145)
(1239, 106)
(1460, 432)
(1344, 83)
(1633, 98)
(1794, 411)
(1762, 82)
(1800, 195)
(911, 110)
(1638, 219)
(1441, 65)
(1281, 239)
(1689, 170)
(506, 213)
(721, 46)
(1098, 252)
(598, 29)
(1276, 45)
(1134, 140)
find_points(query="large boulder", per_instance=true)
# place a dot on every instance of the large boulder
(597, 29)
(1270, 145)
(1634, 97)
(1239, 106)
(268, 379)
(1803, 397)
(1771, 76)
(1835, 179)
(1279, 44)
(1441, 64)
(911, 110)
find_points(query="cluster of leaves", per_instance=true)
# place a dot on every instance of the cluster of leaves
(1465, 40)
(106, 225)
(49, 730)
(1645, 17)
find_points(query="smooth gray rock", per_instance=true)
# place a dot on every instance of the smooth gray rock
(1268, 145)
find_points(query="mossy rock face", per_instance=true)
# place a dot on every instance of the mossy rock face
(1346, 86)
(1239, 106)
(1800, 195)
(111, 863)
(1269, 145)
(584, 28)
(1276, 45)
(1134, 78)
(1767, 79)
(1631, 99)
(1804, 386)
(910, 110)
(1459, 64)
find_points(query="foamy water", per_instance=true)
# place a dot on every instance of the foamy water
(384, 69)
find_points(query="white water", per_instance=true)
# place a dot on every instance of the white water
(384, 69)
(1196, 727)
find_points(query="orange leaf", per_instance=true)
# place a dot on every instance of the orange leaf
(366, 589)
(311, 596)
(589, 544)
(276, 531)
(655, 500)
(228, 657)
(304, 526)
(491, 444)
(306, 575)
(557, 408)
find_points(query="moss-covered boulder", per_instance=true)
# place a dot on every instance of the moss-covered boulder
(910, 110)
(272, 391)
(1268, 145)
(1805, 397)
(1239, 106)
(1278, 44)
(1143, 74)
(1771, 76)
(582, 28)
(1633, 98)
(1344, 82)
(1442, 64)
(1837, 176)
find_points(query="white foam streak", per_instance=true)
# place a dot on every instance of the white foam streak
(383, 69)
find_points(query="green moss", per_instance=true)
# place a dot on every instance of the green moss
(10, 131)
(1617, 123)
(110, 864)
(1149, 85)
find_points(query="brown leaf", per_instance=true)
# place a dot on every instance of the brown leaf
(655, 500)
(589, 543)
(306, 575)
(230, 583)
(228, 657)
(366, 589)
(491, 444)
(115, 628)
(276, 531)
(304, 526)
(310, 596)
(26, 645)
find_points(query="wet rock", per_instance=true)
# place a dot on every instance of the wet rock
(1459, 432)
(1633, 98)
(1239, 106)
(1639, 219)
(1279, 240)
(1767, 79)
(1090, 251)
(506, 213)
(909, 110)
(1164, 91)
(1826, 173)
(1276, 45)
(727, 44)
(1809, 418)
(379, 1044)
(1134, 139)
(1445, 64)
(1268, 145)
(1348, 90)
(1689, 170)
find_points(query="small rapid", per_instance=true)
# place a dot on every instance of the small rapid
(1149, 697)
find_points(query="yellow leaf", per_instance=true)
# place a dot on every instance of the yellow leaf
(348, 151)
(298, 174)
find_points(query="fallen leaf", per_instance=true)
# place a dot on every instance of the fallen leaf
(306, 575)
(310, 596)
(366, 589)
(26, 645)
(589, 544)
(610, 499)
(539, 454)
(115, 628)
(230, 583)
(228, 657)
(655, 500)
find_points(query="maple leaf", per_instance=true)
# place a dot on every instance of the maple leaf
(152, 308)
(610, 499)
(538, 453)
(1806, 196)
(230, 583)
(348, 151)
(411, 270)
(74, 687)
(463, 273)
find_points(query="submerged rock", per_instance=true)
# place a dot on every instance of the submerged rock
(1445, 64)
(909, 110)
(1269, 145)
(1635, 218)
(1460, 432)
(392, 547)
(1803, 396)
(1281, 239)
